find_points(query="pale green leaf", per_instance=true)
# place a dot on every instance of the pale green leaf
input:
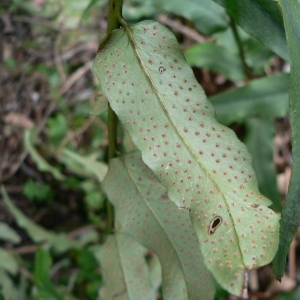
(125, 271)
(152, 219)
(59, 241)
(8, 261)
(217, 59)
(265, 98)
(9, 234)
(8, 290)
(148, 83)
(83, 165)
(291, 211)
(41, 163)
(46, 289)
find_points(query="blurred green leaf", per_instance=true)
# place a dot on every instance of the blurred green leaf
(260, 142)
(8, 261)
(257, 56)
(290, 218)
(207, 16)
(262, 19)
(125, 271)
(91, 4)
(8, 290)
(84, 165)
(93, 195)
(266, 97)
(145, 212)
(57, 128)
(60, 241)
(9, 234)
(11, 64)
(88, 266)
(217, 59)
(39, 191)
(42, 164)
(46, 289)
(97, 138)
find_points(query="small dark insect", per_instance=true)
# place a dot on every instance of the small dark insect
(161, 70)
(214, 224)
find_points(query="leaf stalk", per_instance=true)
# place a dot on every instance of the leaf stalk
(239, 43)
(114, 15)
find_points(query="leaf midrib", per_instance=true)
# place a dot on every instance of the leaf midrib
(122, 265)
(147, 75)
(145, 200)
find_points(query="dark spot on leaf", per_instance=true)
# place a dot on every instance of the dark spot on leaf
(214, 224)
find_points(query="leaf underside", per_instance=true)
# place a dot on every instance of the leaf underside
(144, 211)
(125, 270)
(203, 165)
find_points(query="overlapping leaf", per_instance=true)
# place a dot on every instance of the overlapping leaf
(217, 59)
(204, 166)
(207, 16)
(144, 211)
(46, 289)
(262, 19)
(265, 98)
(291, 212)
(126, 275)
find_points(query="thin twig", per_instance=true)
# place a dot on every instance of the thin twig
(58, 60)
(239, 43)
(292, 260)
(79, 131)
(114, 17)
(79, 73)
(177, 26)
(23, 19)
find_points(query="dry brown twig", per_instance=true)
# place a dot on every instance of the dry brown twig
(58, 60)
(73, 134)
(79, 73)
(177, 26)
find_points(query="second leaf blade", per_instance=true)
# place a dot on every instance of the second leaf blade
(144, 211)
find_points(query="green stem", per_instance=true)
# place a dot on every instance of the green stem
(238, 41)
(114, 15)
